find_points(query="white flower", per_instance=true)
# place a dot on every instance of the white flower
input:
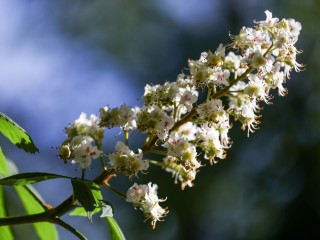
(86, 127)
(232, 61)
(256, 88)
(92, 122)
(269, 22)
(181, 159)
(136, 193)
(210, 110)
(160, 95)
(155, 121)
(127, 117)
(209, 139)
(146, 198)
(124, 117)
(219, 76)
(126, 161)
(83, 151)
(175, 143)
(163, 126)
(188, 130)
(208, 107)
(294, 28)
(249, 118)
(216, 58)
(258, 59)
(187, 97)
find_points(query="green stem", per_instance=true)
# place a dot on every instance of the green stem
(66, 206)
(36, 197)
(159, 152)
(83, 173)
(126, 137)
(39, 217)
(70, 229)
(174, 111)
(115, 191)
(103, 164)
(160, 164)
(209, 93)
(226, 89)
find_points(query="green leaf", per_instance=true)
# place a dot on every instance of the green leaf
(3, 165)
(95, 191)
(5, 231)
(45, 231)
(101, 206)
(29, 178)
(82, 191)
(115, 231)
(81, 212)
(17, 135)
(32, 204)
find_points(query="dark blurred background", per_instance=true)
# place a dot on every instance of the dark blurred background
(60, 58)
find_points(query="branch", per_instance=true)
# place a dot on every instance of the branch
(53, 214)
(39, 217)
(70, 229)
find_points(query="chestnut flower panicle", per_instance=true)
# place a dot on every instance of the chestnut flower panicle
(189, 119)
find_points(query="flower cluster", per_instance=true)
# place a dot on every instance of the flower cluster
(84, 139)
(124, 117)
(86, 127)
(189, 119)
(126, 161)
(234, 83)
(145, 197)
(83, 151)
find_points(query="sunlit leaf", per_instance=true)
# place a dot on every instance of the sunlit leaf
(17, 135)
(5, 231)
(95, 191)
(81, 212)
(32, 205)
(29, 178)
(115, 231)
(3, 165)
(31, 201)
